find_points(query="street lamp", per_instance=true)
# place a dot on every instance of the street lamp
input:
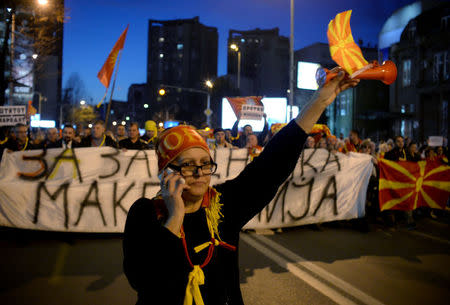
(235, 48)
(82, 102)
(145, 106)
(42, 2)
(162, 92)
(291, 62)
(209, 84)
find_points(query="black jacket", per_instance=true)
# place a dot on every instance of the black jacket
(396, 154)
(154, 259)
(87, 142)
(128, 144)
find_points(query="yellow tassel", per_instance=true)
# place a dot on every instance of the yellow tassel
(196, 278)
(201, 247)
(213, 214)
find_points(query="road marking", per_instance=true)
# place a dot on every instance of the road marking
(55, 277)
(441, 240)
(304, 276)
(322, 273)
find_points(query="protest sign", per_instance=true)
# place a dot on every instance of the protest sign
(247, 108)
(92, 189)
(12, 115)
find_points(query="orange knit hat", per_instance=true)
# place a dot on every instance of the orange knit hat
(174, 141)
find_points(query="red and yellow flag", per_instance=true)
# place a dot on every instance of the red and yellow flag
(344, 51)
(31, 110)
(105, 73)
(408, 185)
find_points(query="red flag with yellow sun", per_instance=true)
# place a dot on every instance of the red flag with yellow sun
(408, 185)
(344, 51)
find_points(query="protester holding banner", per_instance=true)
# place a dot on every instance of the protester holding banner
(134, 141)
(98, 138)
(398, 152)
(220, 140)
(120, 133)
(241, 138)
(68, 137)
(22, 141)
(354, 143)
(164, 237)
(151, 134)
(51, 139)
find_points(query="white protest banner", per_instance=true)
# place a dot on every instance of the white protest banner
(92, 189)
(435, 141)
(323, 187)
(12, 115)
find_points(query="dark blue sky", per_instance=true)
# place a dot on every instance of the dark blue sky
(95, 25)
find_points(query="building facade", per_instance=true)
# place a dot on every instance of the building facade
(181, 53)
(31, 58)
(422, 91)
(264, 62)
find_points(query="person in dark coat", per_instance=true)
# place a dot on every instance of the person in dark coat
(240, 139)
(21, 140)
(398, 153)
(134, 140)
(182, 246)
(98, 138)
(51, 139)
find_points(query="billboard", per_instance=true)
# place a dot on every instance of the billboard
(306, 75)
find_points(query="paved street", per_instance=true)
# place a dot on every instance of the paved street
(333, 264)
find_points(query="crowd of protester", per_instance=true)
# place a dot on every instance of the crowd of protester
(20, 138)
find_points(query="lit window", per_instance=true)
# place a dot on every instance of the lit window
(406, 80)
(441, 66)
(161, 55)
(180, 46)
(403, 109)
(242, 40)
(161, 39)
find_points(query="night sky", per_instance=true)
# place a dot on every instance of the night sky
(94, 26)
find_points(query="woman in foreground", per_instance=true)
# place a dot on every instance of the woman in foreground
(181, 247)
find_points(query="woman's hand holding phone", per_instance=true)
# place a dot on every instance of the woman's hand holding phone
(172, 187)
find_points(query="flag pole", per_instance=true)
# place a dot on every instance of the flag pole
(112, 90)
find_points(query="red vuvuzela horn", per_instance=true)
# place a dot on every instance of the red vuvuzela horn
(387, 73)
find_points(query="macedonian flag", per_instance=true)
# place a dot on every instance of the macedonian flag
(344, 51)
(408, 185)
(105, 73)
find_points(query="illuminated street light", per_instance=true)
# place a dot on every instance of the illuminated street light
(42, 2)
(124, 123)
(114, 123)
(82, 102)
(34, 56)
(162, 92)
(209, 84)
(160, 125)
(235, 48)
(145, 106)
(127, 118)
(90, 125)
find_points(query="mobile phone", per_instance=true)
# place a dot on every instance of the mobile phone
(169, 171)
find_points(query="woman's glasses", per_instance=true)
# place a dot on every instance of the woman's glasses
(190, 170)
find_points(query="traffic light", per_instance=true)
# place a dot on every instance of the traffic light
(162, 92)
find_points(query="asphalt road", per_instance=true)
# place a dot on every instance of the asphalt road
(335, 264)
